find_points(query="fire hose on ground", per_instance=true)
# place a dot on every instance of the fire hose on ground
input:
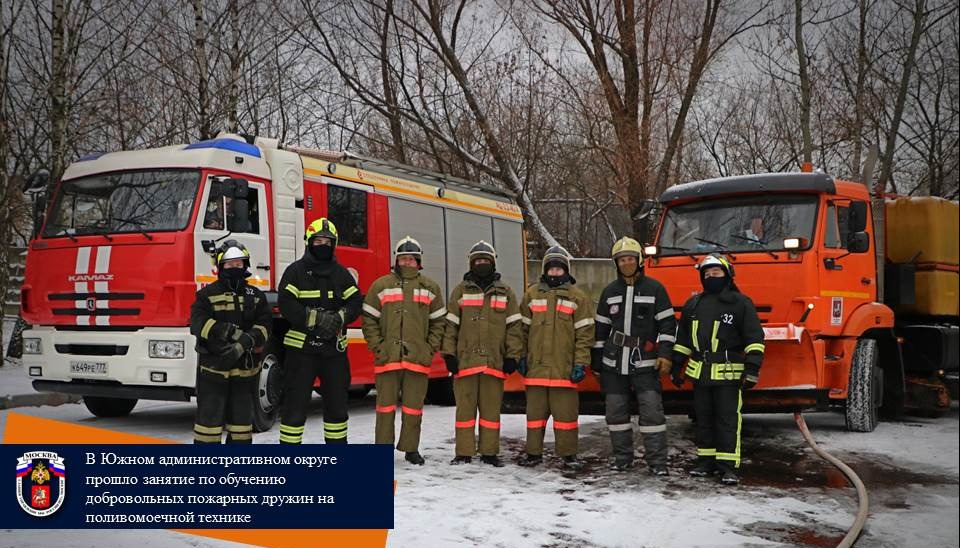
(851, 537)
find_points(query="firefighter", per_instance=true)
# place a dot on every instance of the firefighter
(319, 298)
(721, 340)
(403, 323)
(558, 330)
(231, 320)
(635, 328)
(482, 344)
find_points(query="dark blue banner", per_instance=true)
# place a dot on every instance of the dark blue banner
(197, 487)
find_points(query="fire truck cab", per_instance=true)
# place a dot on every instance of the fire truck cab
(126, 240)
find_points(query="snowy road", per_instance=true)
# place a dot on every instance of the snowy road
(788, 497)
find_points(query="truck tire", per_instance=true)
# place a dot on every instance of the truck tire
(865, 389)
(109, 407)
(267, 391)
(440, 391)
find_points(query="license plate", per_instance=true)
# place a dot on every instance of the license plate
(88, 368)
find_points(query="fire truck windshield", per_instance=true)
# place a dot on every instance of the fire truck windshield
(741, 224)
(131, 201)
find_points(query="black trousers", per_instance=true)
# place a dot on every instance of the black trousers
(717, 434)
(223, 402)
(300, 370)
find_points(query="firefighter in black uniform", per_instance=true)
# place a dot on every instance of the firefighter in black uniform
(721, 340)
(319, 298)
(635, 328)
(231, 321)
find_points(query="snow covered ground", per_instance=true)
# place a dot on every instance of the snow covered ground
(788, 496)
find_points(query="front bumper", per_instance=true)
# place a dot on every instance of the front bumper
(127, 369)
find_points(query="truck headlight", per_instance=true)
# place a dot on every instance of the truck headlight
(32, 346)
(168, 350)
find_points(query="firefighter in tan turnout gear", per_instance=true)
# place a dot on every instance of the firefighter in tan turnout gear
(230, 319)
(558, 329)
(481, 346)
(721, 340)
(403, 323)
(319, 297)
(635, 335)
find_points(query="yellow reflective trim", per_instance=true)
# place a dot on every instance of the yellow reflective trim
(224, 298)
(241, 436)
(713, 336)
(207, 438)
(290, 439)
(350, 291)
(759, 347)
(237, 372)
(334, 425)
(207, 326)
(293, 343)
(292, 429)
(682, 349)
(695, 328)
(706, 452)
(335, 435)
(240, 428)
(229, 307)
(263, 330)
(726, 371)
(294, 334)
(224, 374)
(693, 369)
(199, 428)
(292, 289)
(310, 294)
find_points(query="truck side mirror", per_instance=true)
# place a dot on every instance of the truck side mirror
(238, 215)
(857, 216)
(858, 242)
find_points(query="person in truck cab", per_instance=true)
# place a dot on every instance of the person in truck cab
(231, 321)
(319, 297)
(720, 340)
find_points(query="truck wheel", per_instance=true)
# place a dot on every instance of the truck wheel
(865, 389)
(440, 391)
(109, 407)
(359, 392)
(267, 392)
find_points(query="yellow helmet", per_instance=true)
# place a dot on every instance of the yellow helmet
(322, 228)
(627, 246)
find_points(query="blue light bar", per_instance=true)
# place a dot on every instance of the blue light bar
(227, 144)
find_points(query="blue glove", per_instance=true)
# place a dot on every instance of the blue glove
(579, 372)
(522, 366)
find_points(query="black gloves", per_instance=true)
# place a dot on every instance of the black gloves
(225, 332)
(596, 360)
(676, 374)
(328, 324)
(751, 375)
(453, 364)
(509, 365)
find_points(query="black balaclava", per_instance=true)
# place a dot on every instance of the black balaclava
(555, 281)
(715, 285)
(483, 274)
(233, 277)
(322, 252)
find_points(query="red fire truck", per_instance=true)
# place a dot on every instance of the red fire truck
(125, 243)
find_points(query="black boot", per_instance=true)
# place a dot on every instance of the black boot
(492, 460)
(658, 470)
(530, 460)
(728, 474)
(622, 464)
(572, 462)
(460, 459)
(706, 466)
(414, 457)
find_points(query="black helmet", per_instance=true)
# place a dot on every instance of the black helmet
(482, 249)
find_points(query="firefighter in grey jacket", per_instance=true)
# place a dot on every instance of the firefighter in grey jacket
(635, 329)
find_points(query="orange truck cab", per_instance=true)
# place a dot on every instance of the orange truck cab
(804, 250)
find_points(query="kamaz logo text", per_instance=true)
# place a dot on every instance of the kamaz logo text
(89, 277)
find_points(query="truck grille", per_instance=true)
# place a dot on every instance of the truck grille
(92, 349)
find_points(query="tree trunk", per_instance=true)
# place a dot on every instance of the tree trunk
(58, 94)
(858, 93)
(233, 94)
(886, 164)
(389, 92)
(203, 92)
(805, 85)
